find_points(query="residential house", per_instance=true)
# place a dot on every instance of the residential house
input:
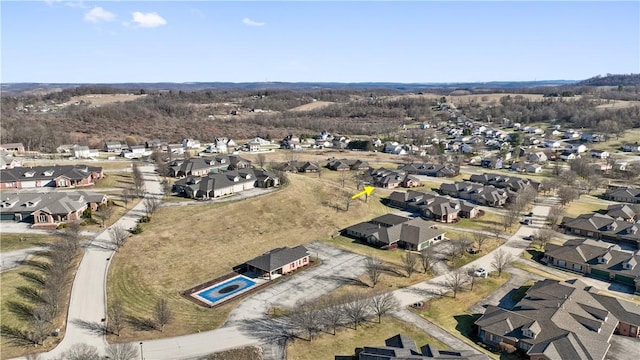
(393, 147)
(492, 163)
(47, 210)
(7, 161)
(401, 347)
(113, 147)
(621, 212)
(253, 146)
(504, 182)
(347, 164)
(552, 144)
(83, 152)
(411, 234)
(630, 195)
(627, 313)
(204, 165)
(290, 142)
(631, 148)
(554, 320)
(596, 258)
(153, 144)
(603, 226)
(600, 154)
(576, 148)
(260, 141)
(230, 182)
(537, 157)
(298, 166)
(191, 144)
(176, 149)
(432, 206)
(221, 145)
(591, 137)
(340, 142)
(392, 179)
(279, 261)
(568, 155)
(480, 194)
(50, 176)
(435, 170)
(13, 148)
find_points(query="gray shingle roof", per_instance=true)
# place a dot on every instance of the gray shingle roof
(277, 258)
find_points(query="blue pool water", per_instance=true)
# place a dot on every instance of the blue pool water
(225, 289)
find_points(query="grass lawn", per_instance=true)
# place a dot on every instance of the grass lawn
(537, 271)
(11, 242)
(582, 206)
(119, 210)
(615, 145)
(186, 246)
(10, 281)
(327, 346)
(121, 180)
(452, 315)
(485, 222)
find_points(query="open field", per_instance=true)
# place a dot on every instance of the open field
(186, 246)
(96, 100)
(11, 242)
(452, 315)
(615, 145)
(312, 106)
(583, 206)
(10, 281)
(327, 346)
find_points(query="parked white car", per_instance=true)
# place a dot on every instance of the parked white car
(480, 272)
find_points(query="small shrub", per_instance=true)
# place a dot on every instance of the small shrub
(145, 219)
(87, 213)
(85, 222)
(137, 230)
(61, 226)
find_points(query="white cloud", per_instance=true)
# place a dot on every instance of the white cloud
(250, 22)
(148, 20)
(98, 14)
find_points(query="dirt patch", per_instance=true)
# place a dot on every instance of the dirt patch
(312, 106)
(96, 100)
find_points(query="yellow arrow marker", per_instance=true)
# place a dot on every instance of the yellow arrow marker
(367, 190)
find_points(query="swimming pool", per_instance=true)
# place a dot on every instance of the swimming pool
(220, 292)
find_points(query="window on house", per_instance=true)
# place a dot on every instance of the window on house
(589, 233)
(562, 263)
(495, 338)
(577, 267)
(305, 260)
(524, 346)
(43, 218)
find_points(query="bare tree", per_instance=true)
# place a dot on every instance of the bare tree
(123, 351)
(162, 313)
(151, 204)
(331, 314)
(72, 234)
(344, 176)
(261, 160)
(374, 271)
(409, 262)
(104, 213)
(307, 317)
(480, 237)
(500, 261)
(354, 308)
(119, 235)
(510, 217)
(381, 304)
(116, 318)
(455, 281)
(461, 246)
(166, 186)
(426, 259)
(138, 179)
(543, 236)
(555, 215)
(126, 195)
(81, 352)
(567, 194)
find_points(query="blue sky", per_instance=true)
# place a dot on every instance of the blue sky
(329, 41)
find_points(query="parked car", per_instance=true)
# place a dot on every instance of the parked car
(529, 214)
(480, 272)
(527, 221)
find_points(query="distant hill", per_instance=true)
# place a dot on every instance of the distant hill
(612, 80)
(17, 88)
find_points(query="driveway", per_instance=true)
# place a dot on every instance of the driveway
(337, 267)
(12, 227)
(235, 197)
(13, 259)
(624, 348)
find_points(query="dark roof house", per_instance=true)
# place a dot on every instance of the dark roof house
(401, 347)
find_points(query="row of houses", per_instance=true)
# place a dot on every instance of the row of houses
(202, 166)
(401, 347)
(433, 170)
(60, 176)
(629, 195)
(391, 179)
(393, 231)
(480, 194)
(504, 182)
(560, 320)
(596, 258)
(8, 161)
(617, 224)
(47, 210)
(230, 182)
(432, 206)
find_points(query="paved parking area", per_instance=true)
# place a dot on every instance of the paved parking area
(337, 267)
(624, 348)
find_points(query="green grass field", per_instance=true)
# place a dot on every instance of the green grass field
(11, 242)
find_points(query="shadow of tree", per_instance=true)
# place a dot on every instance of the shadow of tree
(95, 327)
(345, 280)
(270, 330)
(16, 336)
(35, 278)
(22, 311)
(141, 324)
(465, 325)
(30, 294)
